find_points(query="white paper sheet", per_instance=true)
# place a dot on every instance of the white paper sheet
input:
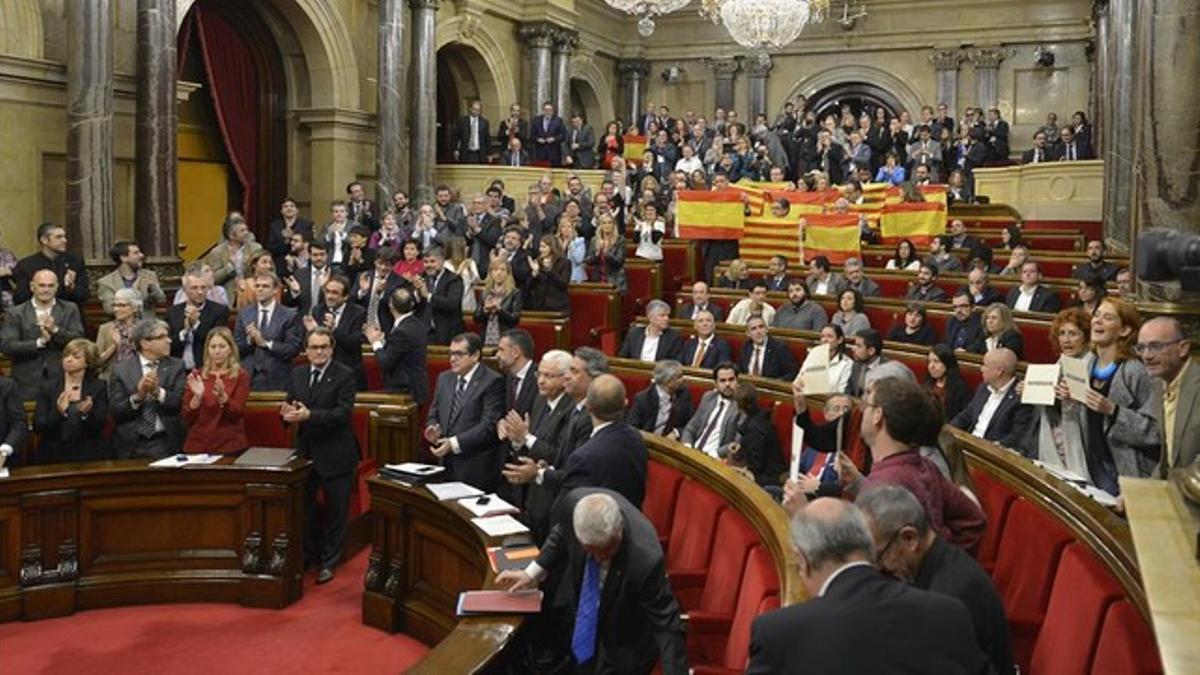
(494, 506)
(1040, 379)
(1075, 372)
(499, 526)
(797, 451)
(453, 490)
(815, 371)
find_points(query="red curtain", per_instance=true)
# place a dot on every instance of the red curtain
(234, 84)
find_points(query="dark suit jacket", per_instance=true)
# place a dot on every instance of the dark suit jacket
(363, 213)
(212, 315)
(18, 339)
(506, 131)
(525, 395)
(1044, 299)
(552, 134)
(480, 454)
(14, 431)
(462, 135)
(548, 290)
(280, 247)
(402, 359)
(26, 267)
(1009, 423)
(614, 457)
(760, 447)
(777, 362)
(913, 631)
(990, 295)
(347, 338)
(506, 157)
(963, 334)
(670, 344)
(719, 351)
(73, 437)
(1010, 339)
(1083, 150)
(309, 296)
(327, 437)
(552, 430)
(638, 618)
(122, 384)
(508, 314)
(643, 413)
(444, 308)
(686, 311)
(392, 282)
(774, 284)
(269, 368)
(1047, 155)
(585, 156)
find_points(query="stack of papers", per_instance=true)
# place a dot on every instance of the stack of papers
(452, 490)
(499, 526)
(175, 461)
(492, 505)
(471, 603)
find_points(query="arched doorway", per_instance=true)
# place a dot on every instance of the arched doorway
(584, 100)
(462, 76)
(859, 96)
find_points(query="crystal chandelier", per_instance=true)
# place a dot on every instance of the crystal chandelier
(647, 10)
(762, 24)
(817, 10)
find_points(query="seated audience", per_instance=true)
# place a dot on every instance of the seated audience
(230, 259)
(764, 357)
(215, 293)
(801, 313)
(757, 446)
(69, 271)
(1039, 153)
(904, 258)
(866, 348)
(500, 310)
(1166, 352)
(700, 303)
(145, 396)
(926, 290)
(550, 277)
(401, 349)
(959, 239)
(345, 320)
(940, 255)
(191, 320)
(215, 398)
(35, 331)
(114, 339)
(982, 292)
(656, 340)
(1017, 258)
(664, 407)
(944, 380)
(1031, 295)
(705, 349)
(128, 258)
(1073, 148)
(461, 426)
(910, 551)
(753, 305)
(268, 336)
(999, 330)
(606, 254)
(915, 330)
(1096, 264)
(735, 276)
(840, 363)
(996, 413)
(72, 410)
(849, 316)
(822, 281)
(1090, 292)
(965, 327)
(1058, 440)
(857, 280)
(714, 424)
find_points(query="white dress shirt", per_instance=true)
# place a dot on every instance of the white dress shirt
(989, 408)
(650, 348)
(1024, 298)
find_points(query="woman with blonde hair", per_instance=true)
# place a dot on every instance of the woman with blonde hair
(458, 262)
(71, 412)
(114, 339)
(999, 330)
(215, 398)
(500, 309)
(573, 247)
(606, 254)
(736, 275)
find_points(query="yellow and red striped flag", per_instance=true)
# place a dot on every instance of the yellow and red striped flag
(767, 236)
(635, 147)
(932, 193)
(833, 235)
(758, 193)
(919, 222)
(703, 214)
(808, 202)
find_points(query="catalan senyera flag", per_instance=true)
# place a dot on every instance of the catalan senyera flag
(767, 236)
(918, 222)
(758, 193)
(704, 214)
(807, 202)
(932, 193)
(833, 235)
(635, 146)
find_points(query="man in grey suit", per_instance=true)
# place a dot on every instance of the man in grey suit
(579, 147)
(1166, 353)
(268, 336)
(146, 395)
(715, 423)
(35, 332)
(461, 427)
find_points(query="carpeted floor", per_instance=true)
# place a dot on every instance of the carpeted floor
(322, 633)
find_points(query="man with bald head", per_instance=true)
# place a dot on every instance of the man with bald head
(35, 332)
(912, 631)
(996, 412)
(1166, 353)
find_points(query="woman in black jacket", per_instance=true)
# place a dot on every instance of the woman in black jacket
(757, 446)
(550, 276)
(945, 382)
(71, 411)
(500, 305)
(914, 330)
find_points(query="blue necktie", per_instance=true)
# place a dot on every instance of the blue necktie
(583, 642)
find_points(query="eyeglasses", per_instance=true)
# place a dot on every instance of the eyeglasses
(1154, 347)
(888, 546)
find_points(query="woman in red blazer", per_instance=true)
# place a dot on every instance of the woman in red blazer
(215, 398)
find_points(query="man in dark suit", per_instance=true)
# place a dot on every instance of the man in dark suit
(467, 404)
(440, 293)
(831, 158)
(997, 136)
(943, 120)
(513, 154)
(34, 333)
(280, 231)
(52, 255)
(866, 348)
(1073, 149)
(996, 412)
(373, 288)
(656, 340)
(517, 258)
(982, 292)
(472, 136)
(1031, 295)
(345, 321)
(514, 355)
(400, 349)
(705, 349)
(1039, 153)
(925, 289)
(359, 209)
(912, 631)
(548, 132)
(304, 287)
(579, 147)
(145, 395)
(965, 328)
(268, 337)
(912, 552)
(513, 126)
(777, 279)
(714, 424)
(700, 302)
(764, 357)
(192, 319)
(14, 430)
(665, 406)
(482, 233)
(614, 582)
(320, 398)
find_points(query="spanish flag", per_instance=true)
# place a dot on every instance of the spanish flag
(759, 193)
(918, 222)
(932, 193)
(635, 147)
(833, 235)
(767, 236)
(702, 214)
(808, 202)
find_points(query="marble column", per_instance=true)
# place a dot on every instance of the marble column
(756, 70)
(1114, 69)
(392, 66)
(633, 74)
(987, 85)
(89, 205)
(157, 124)
(539, 39)
(945, 63)
(424, 99)
(564, 46)
(723, 70)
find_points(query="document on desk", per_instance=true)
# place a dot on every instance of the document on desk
(1040, 379)
(452, 490)
(815, 371)
(1075, 372)
(4, 472)
(471, 603)
(499, 526)
(487, 505)
(176, 461)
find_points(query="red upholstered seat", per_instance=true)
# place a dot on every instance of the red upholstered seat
(783, 416)
(264, 427)
(1030, 548)
(692, 527)
(996, 500)
(892, 287)
(662, 488)
(679, 264)
(374, 375)
(644, 279)
(759, 593)
(1083, 590)
(1126, 645)
(595, 310)
(709, 621)
(880, 317)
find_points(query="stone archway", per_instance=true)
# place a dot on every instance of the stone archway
(594, 91)
(22, 34)
(896, 89)
(489, 68)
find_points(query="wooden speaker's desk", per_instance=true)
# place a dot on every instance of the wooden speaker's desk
(104, 534)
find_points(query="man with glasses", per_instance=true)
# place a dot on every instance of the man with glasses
(467, 404)
(145, 396)
(320, 398)
(1166, 353)
(34, 333)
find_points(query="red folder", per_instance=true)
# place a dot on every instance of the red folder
(499, 602)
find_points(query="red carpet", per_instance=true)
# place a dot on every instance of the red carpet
(322, 633)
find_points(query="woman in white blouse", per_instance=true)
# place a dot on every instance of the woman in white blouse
(649, 230)
(840, 363)
(905, 258)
